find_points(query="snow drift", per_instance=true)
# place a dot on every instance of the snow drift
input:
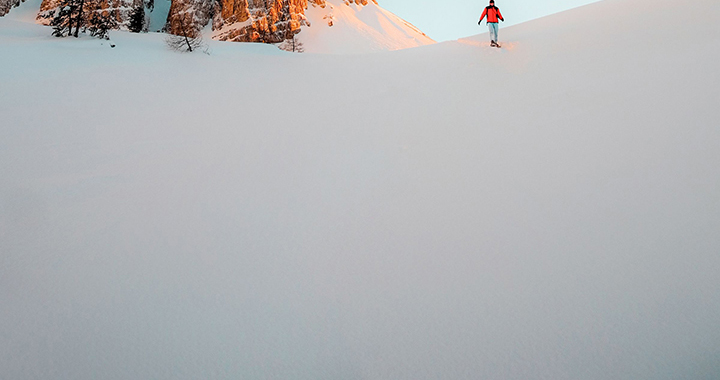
(545, 211)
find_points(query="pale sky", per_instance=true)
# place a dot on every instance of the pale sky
(452, 19)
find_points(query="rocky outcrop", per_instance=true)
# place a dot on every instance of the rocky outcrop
(264, 20)
(190, 14)
(269, 21)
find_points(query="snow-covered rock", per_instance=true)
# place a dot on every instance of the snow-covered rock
(340, 26)
(259, 20)
(198, 13)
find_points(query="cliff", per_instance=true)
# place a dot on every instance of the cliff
(270, 21)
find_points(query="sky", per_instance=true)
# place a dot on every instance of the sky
(449, 20)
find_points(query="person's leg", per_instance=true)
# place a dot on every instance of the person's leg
(493, 27)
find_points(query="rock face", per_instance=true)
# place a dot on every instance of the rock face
(269, 21)
(193, 14)
(264, 20)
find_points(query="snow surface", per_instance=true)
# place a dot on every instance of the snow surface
(546, 211)
(27, 11)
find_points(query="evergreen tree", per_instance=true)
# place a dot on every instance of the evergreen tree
(100, 23)
(62, 18)
(79, 18)
(137, 18)
(72, 16)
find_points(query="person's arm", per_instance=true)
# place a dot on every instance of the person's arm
(482, 16)
(500, 15)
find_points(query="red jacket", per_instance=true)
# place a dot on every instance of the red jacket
(492, 13)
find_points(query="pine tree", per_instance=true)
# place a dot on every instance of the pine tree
(73, 16)
(79, 18)
(137, 18)
(100, 23)
(62, 18)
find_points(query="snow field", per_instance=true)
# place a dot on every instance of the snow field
(549, 211)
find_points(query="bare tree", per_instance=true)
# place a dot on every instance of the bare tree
(292, 44)
(187, 36)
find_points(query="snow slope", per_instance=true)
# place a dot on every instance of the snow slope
(352, 28)
(546, 211)
(26, 12)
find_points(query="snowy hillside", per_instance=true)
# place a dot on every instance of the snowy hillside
(339, 27)
(549, 210)
(26, 12)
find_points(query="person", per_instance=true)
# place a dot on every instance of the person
(493, 14)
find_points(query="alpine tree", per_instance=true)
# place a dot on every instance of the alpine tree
(73, 16)
(100, 23)
(69, 14)
(62, 18)
(137, 17)
(79, 17)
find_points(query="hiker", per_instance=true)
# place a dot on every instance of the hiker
(493, 14)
